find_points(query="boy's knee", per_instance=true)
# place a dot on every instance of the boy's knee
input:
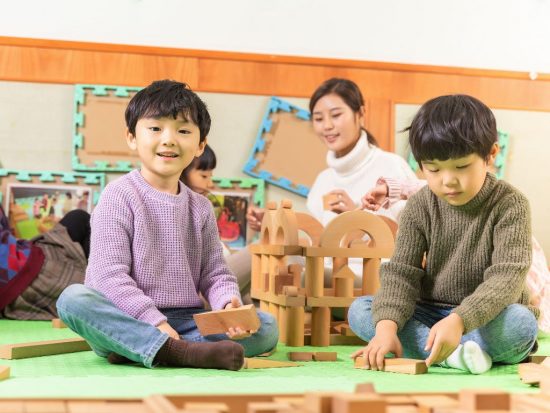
(359, 314)
(74, 294)
(525, 320)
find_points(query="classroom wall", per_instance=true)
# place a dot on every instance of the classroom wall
(499, 34)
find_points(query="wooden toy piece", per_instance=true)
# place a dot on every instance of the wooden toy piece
(311, 227)
(347, 331)
(484, 399)
(295, 326)
(45, 406)
(286, 204)
(282, 281)
(432, 403)
(4, 372)
(267, 407)
(371, 276)
(12, 406)
(295, 402)
(318, 402)
(255, 363)
(366, 387)
(158, 403)
(296, 271)
(203, 406)
(329, 199)
(218, 322)
(343, 282)
(545, 385)
(320, 326)
(538, 359)
(300, 355)
(325, 356)
(43, 348)
(397, 365)
(58, 323)
(532, 373)
(315, 276)
(358, 403)
(290, 290)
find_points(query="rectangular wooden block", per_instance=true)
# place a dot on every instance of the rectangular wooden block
(45, 406)
(58, 323)
(255, 363)
(329, 199)
(281, 281)
(397, 365)
(300, 355)
(318, 402)
(325, 356)
(266, 407)
(43, 348)
(358, 403)
(219, 322)
(429, 404)
(484, 399)
(4, 372)
(203, 406)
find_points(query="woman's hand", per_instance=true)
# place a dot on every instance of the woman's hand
(254, 217)
(375, 198)
(340, 201)
(166, 328)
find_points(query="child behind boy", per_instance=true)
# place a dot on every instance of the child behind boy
(155, 247)
(475, 235)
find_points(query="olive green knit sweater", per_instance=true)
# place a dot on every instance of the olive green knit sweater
(477, 256)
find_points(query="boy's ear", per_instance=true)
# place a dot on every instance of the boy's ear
(493, 154)
(201, 147)
(131, 140)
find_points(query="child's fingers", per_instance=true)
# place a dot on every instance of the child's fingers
(357, 353)
(434, 355)
(430, 340)
(380, 360)
(235, 302)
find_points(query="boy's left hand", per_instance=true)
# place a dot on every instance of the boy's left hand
(444, 338)
(236, 333)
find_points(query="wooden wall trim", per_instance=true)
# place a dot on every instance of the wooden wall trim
(383, 84)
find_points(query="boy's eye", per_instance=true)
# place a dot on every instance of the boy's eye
(433, 170)
(154, 128)
(462, 166)
(184, 131)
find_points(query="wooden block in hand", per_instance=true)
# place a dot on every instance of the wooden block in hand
(484, 399)
(43, 348)
(329, 199)
(325, 356)
(397, 365)
(58, 323)
(219, 322)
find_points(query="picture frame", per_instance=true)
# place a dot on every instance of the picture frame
(287, 153)
(231, 198)
(35, 201)
(99, 143)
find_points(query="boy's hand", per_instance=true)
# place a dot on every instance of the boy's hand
(254, 217)
(236, 333)
(385, 341)
(444, 338)
(342, 202)
(166, 328)
(375, 198)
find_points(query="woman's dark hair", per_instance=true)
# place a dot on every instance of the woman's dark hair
(168, 98)
(452, 126)
(350, 94)
(205, 162)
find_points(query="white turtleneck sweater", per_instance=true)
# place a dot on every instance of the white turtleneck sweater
(356, 173)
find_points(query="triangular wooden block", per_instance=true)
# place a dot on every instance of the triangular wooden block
(345, 272)
(254, 363)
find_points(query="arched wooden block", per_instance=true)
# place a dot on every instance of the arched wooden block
(351, 221)
(311, 227)
(286, 227)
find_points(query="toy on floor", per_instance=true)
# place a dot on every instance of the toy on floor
(397, 365)
(43, 348)
(312, 355)
(255, 363)
(4, 372)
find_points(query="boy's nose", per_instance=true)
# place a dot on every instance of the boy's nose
(210, 184)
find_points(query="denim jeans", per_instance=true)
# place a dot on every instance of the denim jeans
(507, 339)
(108, 329)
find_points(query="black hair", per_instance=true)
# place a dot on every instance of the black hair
(168, 98)
(205, 162)
(452, 126)
(350, 94)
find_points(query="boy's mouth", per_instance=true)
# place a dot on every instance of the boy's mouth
(168, 154)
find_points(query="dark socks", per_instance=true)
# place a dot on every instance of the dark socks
(226, 354)
(115, 358)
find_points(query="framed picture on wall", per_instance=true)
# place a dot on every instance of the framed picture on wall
(231, 198)
(35, 201)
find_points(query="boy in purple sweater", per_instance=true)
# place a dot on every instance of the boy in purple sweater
(155, 247)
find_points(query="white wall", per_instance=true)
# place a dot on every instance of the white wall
(498, 34)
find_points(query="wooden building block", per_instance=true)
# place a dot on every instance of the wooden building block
(366, 387)
(325, 356)
(219, 322)
(282, 281)
(45, 406)
(58, 323)
(267, 407)
(531, 373)
(432, 403)
(295, 402)
(203, 406)
(347, 331)
(300, 355)
(12, 406)
(255, 363)
(397, 365)
(484, 399)
(43, 348)
(318, 402)
(4, 372)
(329, 199)
(536, 359)
(358, 403)
(290, 290)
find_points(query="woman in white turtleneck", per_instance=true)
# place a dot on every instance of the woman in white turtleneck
(354, 160)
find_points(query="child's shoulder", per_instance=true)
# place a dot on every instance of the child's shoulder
(507, 195)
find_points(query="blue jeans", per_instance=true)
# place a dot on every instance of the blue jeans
(108, 329)
(507, 339)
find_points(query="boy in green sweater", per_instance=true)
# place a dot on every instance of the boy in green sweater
(454, 291)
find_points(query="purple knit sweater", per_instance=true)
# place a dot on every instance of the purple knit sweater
(152, 250)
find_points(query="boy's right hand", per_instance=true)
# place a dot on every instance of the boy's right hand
(167, 328)
(385, 341)
(254, 217)
(375, 198)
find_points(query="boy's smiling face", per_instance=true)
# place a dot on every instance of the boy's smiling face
(165, 146)
(458, 180)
